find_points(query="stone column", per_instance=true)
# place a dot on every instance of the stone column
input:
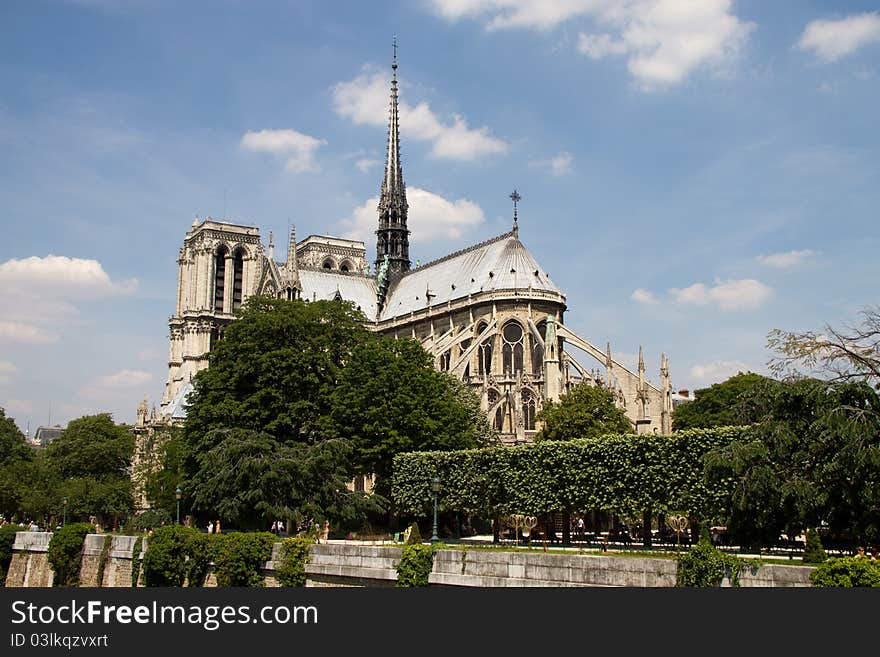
(228, 281)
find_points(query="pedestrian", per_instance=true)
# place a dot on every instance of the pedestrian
(217, 527)
(210, 527)
(860, 553)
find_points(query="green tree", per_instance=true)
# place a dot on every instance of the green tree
(273, 371)
(585, 412)
(390, 399)
(719, 405)
(160, 486)
(13, 445)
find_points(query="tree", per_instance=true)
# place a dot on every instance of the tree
(273, 371)
(848, 354)
(813, 457)
(719, 405)
(390, 399)
(92, 459)
(13, 445)
(586, 411)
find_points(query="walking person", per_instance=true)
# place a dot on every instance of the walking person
(210, 527)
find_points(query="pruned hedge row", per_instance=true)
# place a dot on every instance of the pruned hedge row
(622, 473)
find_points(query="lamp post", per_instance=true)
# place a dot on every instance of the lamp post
(178, 494)
(64, 502)
(435, 488)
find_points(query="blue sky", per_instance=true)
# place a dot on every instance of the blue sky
(693, 174)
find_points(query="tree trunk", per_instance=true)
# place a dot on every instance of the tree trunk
(646, 528)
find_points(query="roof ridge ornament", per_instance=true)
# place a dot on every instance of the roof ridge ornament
(515, 197)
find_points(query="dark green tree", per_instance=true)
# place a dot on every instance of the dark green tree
(585, 412)
(13, 445)
(160, 486)
(273, 371)
(390, 399)
(719, 405)
(813, 550)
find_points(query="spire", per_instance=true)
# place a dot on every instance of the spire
(392, 237)
(271, 246)
(291, 249)
(515, 197)
(641, 360)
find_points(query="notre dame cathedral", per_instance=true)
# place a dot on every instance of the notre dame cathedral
(489, 314)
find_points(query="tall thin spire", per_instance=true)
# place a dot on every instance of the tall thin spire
(392, 237)
(515, 197)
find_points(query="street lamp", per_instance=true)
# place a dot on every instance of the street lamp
(64, 502)
(178, 494)
(435, 488)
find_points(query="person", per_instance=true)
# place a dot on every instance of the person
(580, 527)
(860, 553)
(217, 527)
(210, 527)
(874, 554)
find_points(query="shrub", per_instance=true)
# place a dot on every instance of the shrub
(414, 537)
(705, 565)
(846, 572)
(294, 555)
(136, 560)
(240, 558)
(813, 550)
(165, 560)
(151, 519)
(7, 538)
(66, 551)
(199, 549)
(415, 564)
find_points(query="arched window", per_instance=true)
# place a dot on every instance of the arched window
(528, 405)
(327, 264)
(445, 360)
(219, 278)
(484, 366)
(498, 417)
(512, 348)
(345, 266)
(237, 279)
(538, 351)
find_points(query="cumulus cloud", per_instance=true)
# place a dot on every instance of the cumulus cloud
(60, 276)
(364, 101)
(786, 259)
(832, 39)
(25, 333)
(643, 296)
(557, 165)
(663, 40)
(297, 148)
(365, 164)
(125, 379)
(717, 371)
(732, 294)
(430, 217)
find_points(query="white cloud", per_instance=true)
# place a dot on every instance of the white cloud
(786, 259)
(14, 407)
(742, 294)
(715, 372)
(558, 165)
(430, 217)
(643, 296)
(365, 164)
(297, 148)
(61, 277)
(663, 40)
(364, 101)
(832, 39)
(7, 369)
(25, 333)
(125, 379)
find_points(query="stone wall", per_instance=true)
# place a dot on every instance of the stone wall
(355, 565)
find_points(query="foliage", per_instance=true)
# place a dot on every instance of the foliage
(13, 445)
(390, 399)
(31, 488)
(7, 538)
(416, 562)
(846, 572)
(150, 519)
(293, 557)
(585, 412)
(851, 353)
(719, 405)
(273, 371)
(622, 473)
(200, 549)
(704, 565)
(66, 551)
(813, 550)
(812, 457)
(160, 485)
(413, 537)
(165, 560)
(240, 558)
(102, 561)
(136, 561)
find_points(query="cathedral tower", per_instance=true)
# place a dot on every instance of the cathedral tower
(392, 237)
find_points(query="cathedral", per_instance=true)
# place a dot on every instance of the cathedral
(488, 314)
